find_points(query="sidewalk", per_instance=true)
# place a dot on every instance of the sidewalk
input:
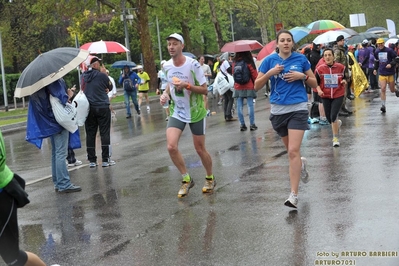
(7, 129)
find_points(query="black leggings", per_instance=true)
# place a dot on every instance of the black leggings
(9, 238)
(332, 107)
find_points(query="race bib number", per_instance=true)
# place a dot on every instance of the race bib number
(383, 56)
(331, 81)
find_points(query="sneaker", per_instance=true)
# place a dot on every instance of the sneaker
(167, 118)
(253, 127)
(71, 189)
(128, 116)
(383, 109)
(335, 142)
(109, 163)
(243, 128)
(314, 120)
(220, 102)
(323, 122)
(209, 185)
(92, 164)
(148, 108)
(75, 164)
(185, 187)
(397, 93)
(304, 172)
(208, 112)
(292, 201)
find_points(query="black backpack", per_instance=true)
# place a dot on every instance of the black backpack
(128, 84)
(241, 73)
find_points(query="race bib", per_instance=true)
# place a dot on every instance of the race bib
(331, 81)
(383, 56)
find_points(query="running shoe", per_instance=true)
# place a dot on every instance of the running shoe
(75, 164)
(92, 164)
(185, 187)
(109, 163)
(243, 128)
(335, 142)
(253, 127)
(323, 122)
(292, 201)
(209, 185)
(383, 109)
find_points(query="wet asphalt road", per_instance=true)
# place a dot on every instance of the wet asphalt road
(129, 214)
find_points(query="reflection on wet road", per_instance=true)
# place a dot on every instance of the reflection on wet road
(129, 214)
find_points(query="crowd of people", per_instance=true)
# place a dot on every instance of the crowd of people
(328, 75)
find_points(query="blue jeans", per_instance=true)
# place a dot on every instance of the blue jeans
(250, 104)
(59, 151)
(133, 96)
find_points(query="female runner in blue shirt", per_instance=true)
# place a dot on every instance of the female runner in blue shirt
(288, 72)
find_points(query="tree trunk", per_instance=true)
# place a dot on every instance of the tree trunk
(146, 44)
(215, 22)
(188, 47)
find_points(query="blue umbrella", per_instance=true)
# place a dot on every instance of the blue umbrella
(190, 55)
(299, 33)
(123, 63)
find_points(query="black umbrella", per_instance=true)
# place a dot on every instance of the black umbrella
(361, 36)
(47, 68)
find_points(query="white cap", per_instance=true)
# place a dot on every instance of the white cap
(365, 41)
(163, 62)
(139, 67)
(177, 37)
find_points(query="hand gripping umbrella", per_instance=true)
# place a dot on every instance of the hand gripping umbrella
(47, 68)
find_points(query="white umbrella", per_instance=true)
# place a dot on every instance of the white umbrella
(391, 40)
(330, 36)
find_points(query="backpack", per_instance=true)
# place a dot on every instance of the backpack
(241, 73)
(128, 84)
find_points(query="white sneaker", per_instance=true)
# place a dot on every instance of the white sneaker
(75, 164)
(148, 108)
(292, 201)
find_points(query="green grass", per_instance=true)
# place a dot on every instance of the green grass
(13, 116)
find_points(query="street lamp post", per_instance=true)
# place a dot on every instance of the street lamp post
(232, 29)
(127, 42)
(159, 41)
(3, 77)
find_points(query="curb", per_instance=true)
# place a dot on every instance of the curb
(9, 129)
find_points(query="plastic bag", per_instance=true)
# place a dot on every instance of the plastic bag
(82, 107)
(221, 84)
(65, 115)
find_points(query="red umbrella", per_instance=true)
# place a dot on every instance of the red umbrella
(241, 46)
(104, 47)
(266, 50)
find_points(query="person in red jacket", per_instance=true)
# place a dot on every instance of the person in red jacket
(331, 83)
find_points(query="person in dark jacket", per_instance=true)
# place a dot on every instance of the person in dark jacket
(385, 64)
(96, 86)
(130, 92)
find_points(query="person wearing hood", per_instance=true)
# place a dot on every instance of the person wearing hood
(42, 124)
(96, 86)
